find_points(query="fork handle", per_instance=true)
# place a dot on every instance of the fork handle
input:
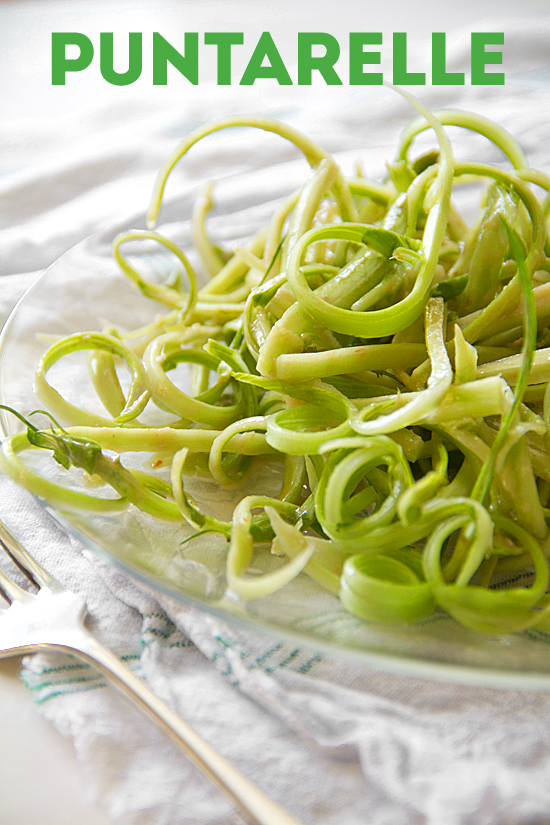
(257, 807)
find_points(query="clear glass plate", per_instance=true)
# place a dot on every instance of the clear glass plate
(82, 291)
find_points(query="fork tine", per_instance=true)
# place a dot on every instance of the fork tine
(11, 591)
(30, 568)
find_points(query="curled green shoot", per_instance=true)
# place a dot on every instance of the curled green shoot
(392, 362)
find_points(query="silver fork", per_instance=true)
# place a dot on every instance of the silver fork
(53, 618)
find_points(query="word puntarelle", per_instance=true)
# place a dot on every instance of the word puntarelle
(318, 56)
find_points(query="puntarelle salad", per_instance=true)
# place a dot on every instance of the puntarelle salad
(394, 360)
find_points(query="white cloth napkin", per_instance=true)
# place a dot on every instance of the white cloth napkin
(334, 742)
